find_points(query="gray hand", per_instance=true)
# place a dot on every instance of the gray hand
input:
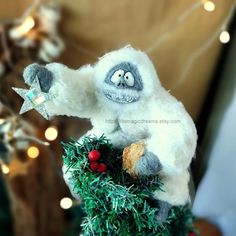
(35, 71)
(148, 164)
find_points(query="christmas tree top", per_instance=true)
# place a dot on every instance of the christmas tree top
(113, 201)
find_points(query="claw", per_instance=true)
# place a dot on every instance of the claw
(163, 209)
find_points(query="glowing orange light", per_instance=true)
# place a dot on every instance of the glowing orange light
(33, 152)
(224, 37)
(5, 169)
(51, 133)
(66, 203)
(26, 26)
(209, 5)
(2, 121)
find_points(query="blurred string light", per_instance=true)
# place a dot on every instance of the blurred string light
(224, 37)
(37, 29)
(66, 203)
(27, 25)
(23, 29)
(209, 5)
(15, 135)
(5, 169)
(51, 133)
(33, 152)
(2, 121)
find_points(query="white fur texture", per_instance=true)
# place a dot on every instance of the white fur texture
(157, 117)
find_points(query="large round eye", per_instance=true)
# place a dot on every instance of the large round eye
(129, 79)
(117, 76)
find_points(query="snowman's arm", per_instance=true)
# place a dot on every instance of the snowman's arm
(72, 92)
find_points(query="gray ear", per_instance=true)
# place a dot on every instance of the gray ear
(36, 71)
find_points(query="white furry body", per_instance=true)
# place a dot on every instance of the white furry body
(157, 117)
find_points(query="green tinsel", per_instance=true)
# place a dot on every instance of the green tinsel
(115, 203)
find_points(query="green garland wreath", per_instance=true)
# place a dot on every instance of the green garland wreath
(113, 202)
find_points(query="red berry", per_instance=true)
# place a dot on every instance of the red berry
(94, 155)
(101, 167)
(94, 166)
(191, 233)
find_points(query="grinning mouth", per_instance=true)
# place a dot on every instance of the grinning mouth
(120, 98)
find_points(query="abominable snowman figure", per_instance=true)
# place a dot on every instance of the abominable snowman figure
(122, 96)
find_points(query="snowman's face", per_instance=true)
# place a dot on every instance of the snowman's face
(123, 84)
